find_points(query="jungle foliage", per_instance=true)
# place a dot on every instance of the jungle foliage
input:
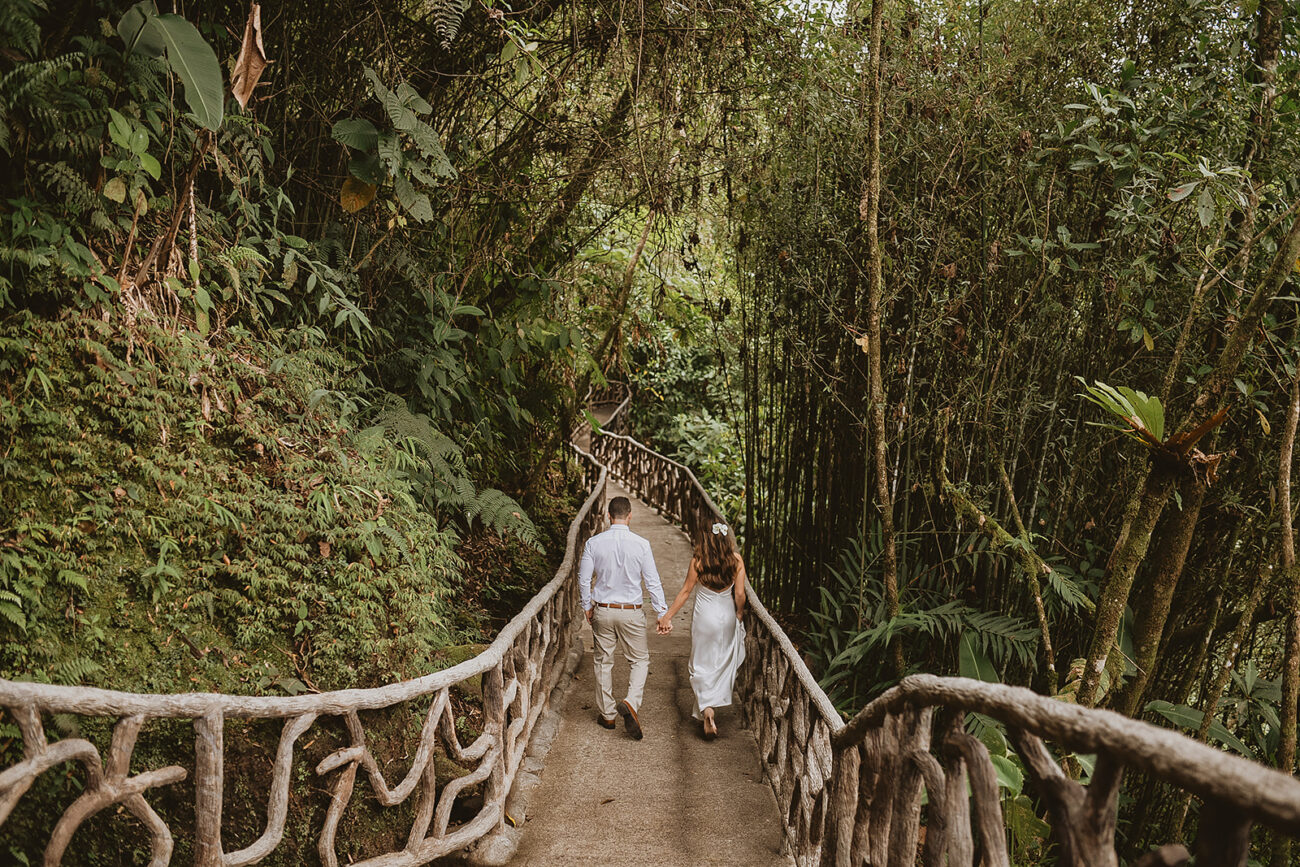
(1009, 390)
(1087, 223)
(296, 312)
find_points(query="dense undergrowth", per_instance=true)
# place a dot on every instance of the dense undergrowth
(184, 515)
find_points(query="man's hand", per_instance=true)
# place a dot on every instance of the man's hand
(590, 611)
(664, 626)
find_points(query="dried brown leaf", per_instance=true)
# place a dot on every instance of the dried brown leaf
(356, 194)
(251, 60)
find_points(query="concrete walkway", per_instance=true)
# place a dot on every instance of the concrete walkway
(670, 799)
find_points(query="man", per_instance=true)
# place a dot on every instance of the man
(621, 562)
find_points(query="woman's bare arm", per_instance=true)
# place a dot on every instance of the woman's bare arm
(683, 594)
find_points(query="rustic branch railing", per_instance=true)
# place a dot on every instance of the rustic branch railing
(518, 671)
(851, 793)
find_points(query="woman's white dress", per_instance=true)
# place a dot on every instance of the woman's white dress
(717, 648)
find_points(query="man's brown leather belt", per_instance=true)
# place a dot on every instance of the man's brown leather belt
(619, 605)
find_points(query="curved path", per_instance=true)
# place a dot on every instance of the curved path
(670, 799)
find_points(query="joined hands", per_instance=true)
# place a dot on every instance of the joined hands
(664, 625)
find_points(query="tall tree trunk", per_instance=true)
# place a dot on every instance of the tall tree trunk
(1291, 579)
(619, 308)
(870, 213)
(581, 178)
(1268, 46)
(1155, 599)
(1210, 705)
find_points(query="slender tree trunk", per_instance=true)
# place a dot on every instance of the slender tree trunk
(619, 308)
(580, 179)
(1175, 536)
(1153, 608)
(870, 213)
(1291, 577)
(1268, 45)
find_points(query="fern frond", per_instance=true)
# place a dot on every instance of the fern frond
(447, 16)
(14, 615)
(501, 513)
(19, 30)
(77, 195)
(404, 425)
(396, 539)
(75, 671)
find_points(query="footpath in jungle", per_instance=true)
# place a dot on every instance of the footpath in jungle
(328, 337)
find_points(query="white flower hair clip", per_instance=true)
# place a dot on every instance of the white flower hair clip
(720, 529)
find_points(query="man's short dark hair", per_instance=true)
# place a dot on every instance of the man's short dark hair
(620, 508)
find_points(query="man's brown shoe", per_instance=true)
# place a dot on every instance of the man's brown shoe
(630, 722)
(605, 723)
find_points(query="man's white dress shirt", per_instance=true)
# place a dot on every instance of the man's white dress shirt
(621, 561)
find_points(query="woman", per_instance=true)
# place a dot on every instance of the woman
(717, 635)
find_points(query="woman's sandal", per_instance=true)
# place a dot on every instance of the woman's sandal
(710, 732)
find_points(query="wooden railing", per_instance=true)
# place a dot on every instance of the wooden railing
(851, 793)
(517, 671)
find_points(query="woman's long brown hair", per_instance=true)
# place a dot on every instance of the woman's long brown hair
(715, 558)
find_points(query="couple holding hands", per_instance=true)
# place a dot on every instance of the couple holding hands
(621, 562)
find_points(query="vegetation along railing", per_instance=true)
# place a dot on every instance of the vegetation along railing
(517, 671)
(852, 793)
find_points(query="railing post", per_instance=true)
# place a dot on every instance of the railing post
(842, 807)
(208, 782)
(494, 718)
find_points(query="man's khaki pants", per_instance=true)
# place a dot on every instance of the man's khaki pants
(626, 627)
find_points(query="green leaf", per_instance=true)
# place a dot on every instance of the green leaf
(119, 128)
(195, 63)
(115, 190)
(971, 661)
(367, 169)
(138, 142)
(1009, 776)
(467, 310)
(410, 97)
(150, 165)
(1190, 718)
(390, 152)
(421, 209)
(1205, 207)
(138, 37)
(358, 133)
(426, 139)
(1182, 191)
(202, 299)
